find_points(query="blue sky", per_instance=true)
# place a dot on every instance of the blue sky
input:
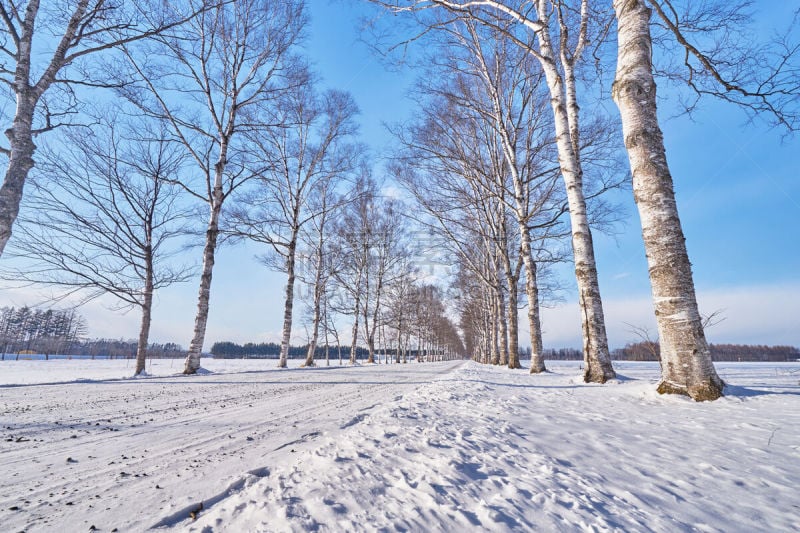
(738, 195)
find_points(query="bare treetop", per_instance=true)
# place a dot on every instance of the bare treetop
(213, 78)
(710, 51)
(46, 46)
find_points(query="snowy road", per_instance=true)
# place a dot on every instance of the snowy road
(133, 454)
(418, 447)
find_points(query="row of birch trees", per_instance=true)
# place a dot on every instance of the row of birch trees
(478, 160)
(482, 161)
(196, 110)
(357, 262)
(208, 108)
(189, 89)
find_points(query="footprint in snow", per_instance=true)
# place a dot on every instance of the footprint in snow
(355, 420)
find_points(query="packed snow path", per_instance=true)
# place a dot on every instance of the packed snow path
(418, 447)
(132, 454)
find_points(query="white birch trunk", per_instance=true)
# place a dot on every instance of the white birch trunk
(325, 331)
(20, 135)
(400, 331)
(376, 309)
(192, 364)
(597, 360)
(489, 327)
(370, 340)
(420, 340)
(513, 326)
(147, 307)
(494, 331)
(353, 349)
(288, 305)
(19, 165)
(534, 320)
(686, 366)
(382, 343)
(312, 343)
(366, 277)
(317, 305)
(512, 279)
(503, 322)
(531, 282)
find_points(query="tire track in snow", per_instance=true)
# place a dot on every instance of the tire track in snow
(193, 450)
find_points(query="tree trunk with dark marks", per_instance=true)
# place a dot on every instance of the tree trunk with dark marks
(288, 305)
(317, 304)
(597, 360)
(147, 308)
(192, 364)
(686, 365)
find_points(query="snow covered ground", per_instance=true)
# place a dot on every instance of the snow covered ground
(420, 447)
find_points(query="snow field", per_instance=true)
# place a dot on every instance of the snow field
(27, 372)
(419, 447)
(488, 449)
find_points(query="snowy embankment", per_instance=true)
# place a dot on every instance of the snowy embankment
(57, 371)
(418, 447)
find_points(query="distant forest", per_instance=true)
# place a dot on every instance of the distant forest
(26, 330)
(650, 351)
(641, 351)
(271, 350)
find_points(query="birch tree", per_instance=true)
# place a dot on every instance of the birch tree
(514, 104)
(686, 365)
(763, 84)
(353, 235)
(484, 147)
(714, 60)
(211, 80)
(763, 80)
(308, 156)
(46, 52)
(399, 304)
(470, 225)
(324, 203)
(475, 319)
(437, 335)
(385, 251)
(448, 169)
(102, 219)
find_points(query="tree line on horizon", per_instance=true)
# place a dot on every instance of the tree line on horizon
(637, 351)
(650, 351)
(63, 332)
(272, 350)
